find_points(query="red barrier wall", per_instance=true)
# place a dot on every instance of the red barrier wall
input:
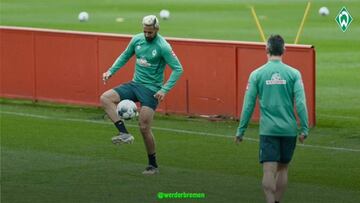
(67, 66)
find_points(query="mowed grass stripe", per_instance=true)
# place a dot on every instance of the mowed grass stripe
(172, 130)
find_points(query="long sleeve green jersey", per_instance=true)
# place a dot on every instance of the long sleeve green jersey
(151, 60)
(278, 87)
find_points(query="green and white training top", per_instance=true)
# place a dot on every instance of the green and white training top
(151, 59)
(277, 86)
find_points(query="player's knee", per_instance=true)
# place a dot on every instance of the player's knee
(104, 99)
(144, 127)
(269, 186)
(269, 180)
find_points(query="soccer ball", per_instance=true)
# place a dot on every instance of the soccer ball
(83, 16)
(324, 11)
(127, 109)
(164, 14)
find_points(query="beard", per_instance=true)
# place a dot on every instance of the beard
(150, 39)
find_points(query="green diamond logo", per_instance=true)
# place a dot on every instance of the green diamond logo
(343, 19)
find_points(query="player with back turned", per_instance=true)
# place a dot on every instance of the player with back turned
(277, 86)
(152, 53)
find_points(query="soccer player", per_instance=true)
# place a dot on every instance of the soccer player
(277, 86)
(152, 53)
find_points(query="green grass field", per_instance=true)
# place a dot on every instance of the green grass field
(64, 154)
(53, 153)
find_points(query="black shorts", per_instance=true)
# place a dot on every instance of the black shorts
(276, 148)
(137, 93)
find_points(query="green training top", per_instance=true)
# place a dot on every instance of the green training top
(151, 59)
(278, 86)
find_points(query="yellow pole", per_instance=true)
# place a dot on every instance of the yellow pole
(302, 23)
(258, 24)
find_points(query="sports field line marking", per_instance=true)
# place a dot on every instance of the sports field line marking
(171, 130)
(341, 117)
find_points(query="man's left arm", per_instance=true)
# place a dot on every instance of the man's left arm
(172, 60)
(300, 102)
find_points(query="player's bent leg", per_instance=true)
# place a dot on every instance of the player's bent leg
(145, 119)
(269, 180)
(281, 181)
(109, 100)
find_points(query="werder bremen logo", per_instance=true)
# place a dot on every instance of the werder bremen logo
(275, 80)
(343, 19)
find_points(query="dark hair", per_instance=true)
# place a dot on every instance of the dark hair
(275, 45)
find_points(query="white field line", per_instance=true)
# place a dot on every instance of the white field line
(339, 117)
(171, 130)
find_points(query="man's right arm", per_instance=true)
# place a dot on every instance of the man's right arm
(300, 102)
(123, 58)
(249, 105)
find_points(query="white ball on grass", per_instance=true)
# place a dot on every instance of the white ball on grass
(83, 16)
(164, 14)
(324, 11)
